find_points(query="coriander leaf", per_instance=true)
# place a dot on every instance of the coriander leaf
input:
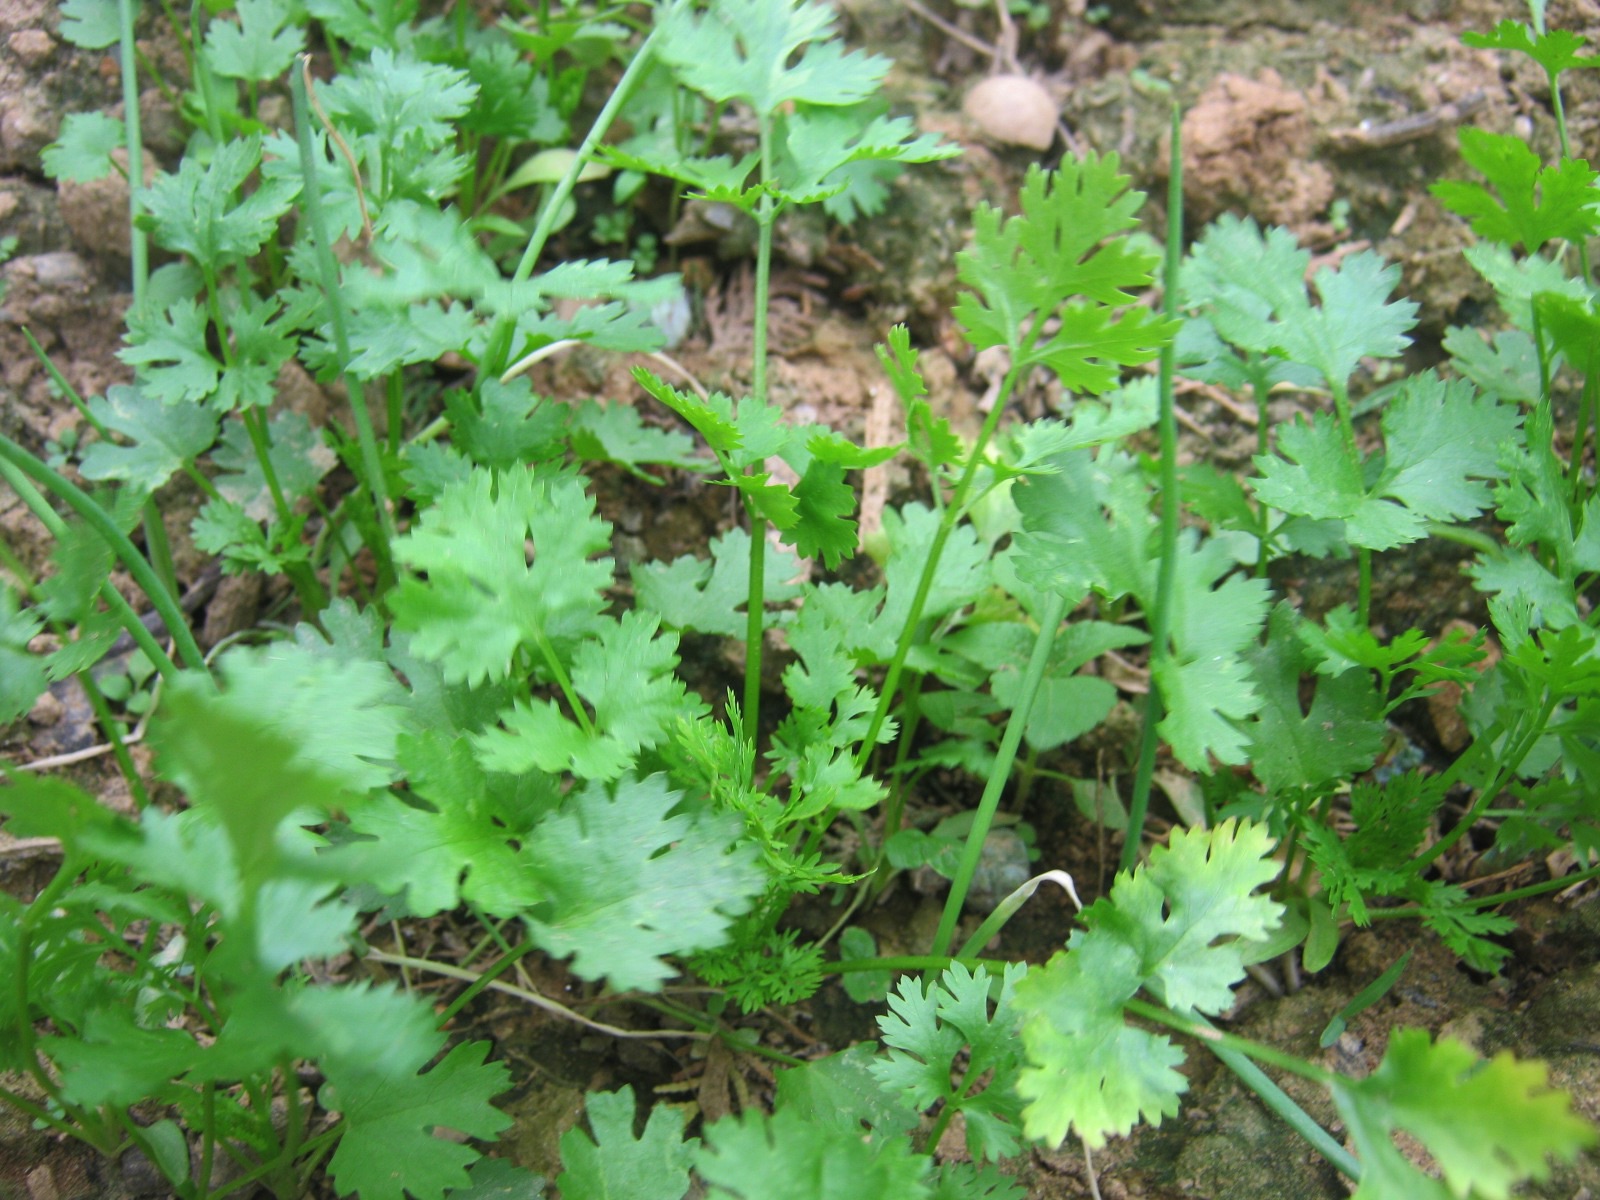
(1555, 50)
(365, 24)
(82, 150)
(785, 1157)
(1439, 435)
(1176, 925)
(300, 457)
(22, 677)
(195, 212)
(927, 1030)
(1338, 739)
(842, 1090)
(261, 346)
(1258, 302)
(930, 438)
(513, 97)
(390, 1146)
(92, 24)
(497, 1179)
(259, 47)
(225, 529)
(822, 525)
(483, 599)
(1517, 281)
(1506, 368)
(1065, 244)
(177, 338)
(615, 1165)
(1535, 204)
(166, 437)
(114, 1061)
(767, 53)
(459, 848)
(1488, 1125)
(509, 425)
(395, 99)
(626, 674)
(1440, 438)
(627, 883)
(1204, 682)
(615, 433)
(707, 597)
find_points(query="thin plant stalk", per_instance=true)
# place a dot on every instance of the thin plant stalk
(311, 200)
(1055, 610)
(756, 591)
(498, 355)
(930, 568)
(138, 566)
(155, 532)
(1171, 501)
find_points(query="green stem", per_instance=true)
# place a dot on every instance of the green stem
(328, 269)
(1521, 893)
(930, 568)
(755, 626)
(155, 532)
(138, 240)
(113, 731)
(1280, 1102)
(143, 574)
(1518, 748)
(1055, 609)
(564, 682)
(908, 963)
(1171, 504)
(496, 969)
(1201, 1031)
(498, 355)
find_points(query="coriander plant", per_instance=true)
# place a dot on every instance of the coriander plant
(464, 715)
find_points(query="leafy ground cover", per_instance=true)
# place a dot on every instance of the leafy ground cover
(472, 744)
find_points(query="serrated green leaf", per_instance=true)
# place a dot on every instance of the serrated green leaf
(299, 454)
(928, 1029)
(615, 1165)
(259, 47)
(785, 1157)
(166, 437)
(841, 1090)
(1178, 926)
(767, 53)
(1253, 284)
(1531, 204)
(195, 211)
(1488, 1125)
(628, 884)
(176, 338)
(1555, 50)
(483, 599)
(615, 433)
(92, 24)
(1064, 245)
(390, 1146)
(82, 150)
(625, 673)
(1339, 737)
(691, 593)
(22, 676)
